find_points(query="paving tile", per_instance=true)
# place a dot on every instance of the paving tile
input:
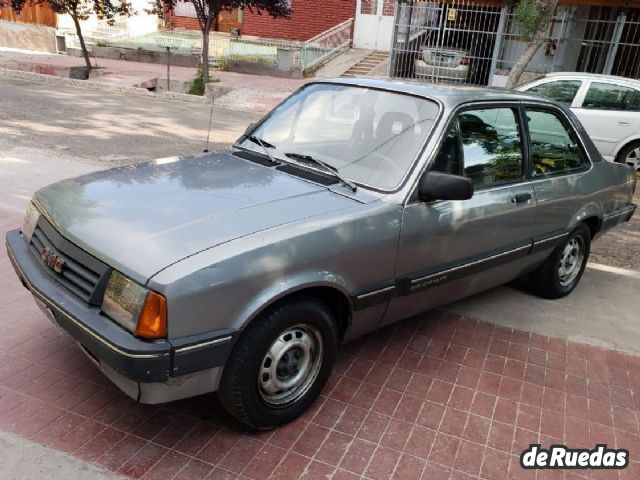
(477, 429)
(194, 470)
(142, 461)
(444, 449)
(358, 455)
(469, 458)
(120, 452)
(437, 397)
(310, 440)
(242, 453)
(333, 448)
(382, 464)
(409, 468)
(218, 446)
(420, 442)
(167, 467)
(373, 427)
(329, 413)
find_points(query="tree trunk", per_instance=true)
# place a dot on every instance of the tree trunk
(205, 56)
(85, 52)
(547, 9)
(518, 69)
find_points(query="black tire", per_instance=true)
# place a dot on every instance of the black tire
(626, 150)
(241, 386)
(547, 282)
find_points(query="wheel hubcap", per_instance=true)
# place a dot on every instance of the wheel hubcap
(571, 261)
(291, 365)
(633, 158)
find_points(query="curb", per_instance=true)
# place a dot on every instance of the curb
(98, 86)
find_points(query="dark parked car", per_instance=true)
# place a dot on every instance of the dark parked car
(353, 204)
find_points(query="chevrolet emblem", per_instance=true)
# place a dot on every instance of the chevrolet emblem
(52, 260)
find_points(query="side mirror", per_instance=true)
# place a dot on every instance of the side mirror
(444, 186)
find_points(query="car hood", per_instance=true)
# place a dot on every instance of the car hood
(141, 218)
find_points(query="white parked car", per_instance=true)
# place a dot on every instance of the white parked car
(607, 106)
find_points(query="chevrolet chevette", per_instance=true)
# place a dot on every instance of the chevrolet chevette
(355, 203)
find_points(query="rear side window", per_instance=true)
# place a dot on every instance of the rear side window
(563, 91)
(485, 146)
(554, 145)
(607, 96)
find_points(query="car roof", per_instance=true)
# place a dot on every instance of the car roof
(450, 95)
(592, 76)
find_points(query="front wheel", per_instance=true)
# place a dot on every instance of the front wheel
(280, 363)
(562, 270)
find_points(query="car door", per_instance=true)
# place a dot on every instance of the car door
(558, 162)
(610, 112)
(451, 249)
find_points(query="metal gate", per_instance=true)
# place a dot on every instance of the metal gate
(465, 41)
(450, 42)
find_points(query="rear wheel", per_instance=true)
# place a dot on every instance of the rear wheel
(280, 363)
(630, 155)
(562, 270)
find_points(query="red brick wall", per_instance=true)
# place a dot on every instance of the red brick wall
(308, 19)
(183, 22)
(227, 20)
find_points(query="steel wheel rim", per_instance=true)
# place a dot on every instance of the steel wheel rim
(571, 261)
(291, 365)
(633, 158)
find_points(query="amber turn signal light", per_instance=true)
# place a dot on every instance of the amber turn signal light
(152, 323)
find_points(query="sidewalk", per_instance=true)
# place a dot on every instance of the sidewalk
(250, 92)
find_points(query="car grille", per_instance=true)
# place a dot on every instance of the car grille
(73, 268)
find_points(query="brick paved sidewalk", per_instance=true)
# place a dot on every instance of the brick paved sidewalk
(435, 397)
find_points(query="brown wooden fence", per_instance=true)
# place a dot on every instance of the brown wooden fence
(35, 14)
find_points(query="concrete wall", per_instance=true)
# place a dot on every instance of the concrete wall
(27, 37)
(135, 55)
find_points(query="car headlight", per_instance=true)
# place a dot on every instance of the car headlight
(30, 220)
(138, 309)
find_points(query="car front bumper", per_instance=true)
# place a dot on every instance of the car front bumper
(148, 371)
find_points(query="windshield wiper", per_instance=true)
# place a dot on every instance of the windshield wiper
(265, 147)
(328, 168)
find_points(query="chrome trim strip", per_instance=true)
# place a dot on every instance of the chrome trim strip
(34, 291)
(376, 292)
(549, 239)
(475, 262)
(197, 346)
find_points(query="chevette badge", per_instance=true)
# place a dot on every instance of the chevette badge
(52, 260)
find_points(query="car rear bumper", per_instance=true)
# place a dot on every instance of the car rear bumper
(423, 69)
(140, 368)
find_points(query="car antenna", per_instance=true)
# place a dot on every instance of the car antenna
(206, 146)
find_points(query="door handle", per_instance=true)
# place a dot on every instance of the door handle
(624, 123)
(521, 198)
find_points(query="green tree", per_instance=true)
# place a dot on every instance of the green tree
(208, 11)
(533, 18)
(80, 10)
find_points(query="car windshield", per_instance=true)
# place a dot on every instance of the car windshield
(369, 136)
